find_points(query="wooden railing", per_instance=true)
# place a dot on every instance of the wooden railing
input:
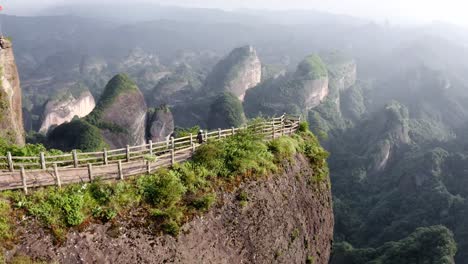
(77, 167)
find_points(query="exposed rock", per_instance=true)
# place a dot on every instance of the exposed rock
(238, 72)
(292, 93)
(342, 69)
(315, 92)
(121, 113)
(288, 219)
(177, 87)
(59, 111)
(160, 124)
(11, 115)
(389, 132)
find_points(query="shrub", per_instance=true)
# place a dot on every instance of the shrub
(303, 127)
(294, 234)
(284, 148)
(102, 193)
(57, 207)
(243, 198)
(5, 221)
(192, 175)
(171, 227)
(163, 189)
(175, 213)
(105, 214)
(205, 202)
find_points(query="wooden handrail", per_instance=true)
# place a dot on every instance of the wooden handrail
(24, 172)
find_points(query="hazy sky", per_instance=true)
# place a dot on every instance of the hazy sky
(453, 11)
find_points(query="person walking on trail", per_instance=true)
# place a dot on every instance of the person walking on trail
(200, 137)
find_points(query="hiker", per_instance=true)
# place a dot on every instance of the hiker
(2, 42)
(200, 137)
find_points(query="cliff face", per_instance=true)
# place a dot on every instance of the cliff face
(344, 75)
(11, 117)
(160, 124)
(315, 92)
(57, 112)
(292, 93)
(121, 113)
(238, 72)
(288, 219)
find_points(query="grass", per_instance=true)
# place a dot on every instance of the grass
(169, 197)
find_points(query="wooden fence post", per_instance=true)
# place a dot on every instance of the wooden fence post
(167, 142)
(42, 160)
(23, 178)
(193, 148)
(273, 126)
(282, 124)
(219, 133)
(127, 152)
(191, 139)
(106, 160)
(57, 176)
(151, 147)
(233, 131)
(172, 143)
(148, 166)
(172, 157)
(75, 158)
(206, 136)
(90, 172)
(119, 166)
(10, 162)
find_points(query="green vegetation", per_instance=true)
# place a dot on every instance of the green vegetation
(226, 111)
(169, 196)
(287, 93)
(312, 67)
(6, 221)
(294, 235)
(24, 151)
(243, 198)
(185, 132)
(78, 134)
(119, 84)
(426, 245)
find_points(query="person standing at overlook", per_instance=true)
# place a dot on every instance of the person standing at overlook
(200, 137)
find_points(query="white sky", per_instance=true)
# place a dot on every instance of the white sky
(454, 11)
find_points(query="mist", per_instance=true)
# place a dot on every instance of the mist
(398, 11)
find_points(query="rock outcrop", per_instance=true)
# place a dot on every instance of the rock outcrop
(238, 72)
(11, 116)
(342, 70)
(288, 219)
(313, 77)
(121, 113)
(292, 93)
(160, 124)
(63, 110)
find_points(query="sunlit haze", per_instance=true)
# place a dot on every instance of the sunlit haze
(452, 11)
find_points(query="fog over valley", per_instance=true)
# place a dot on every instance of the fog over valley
(234, 131)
